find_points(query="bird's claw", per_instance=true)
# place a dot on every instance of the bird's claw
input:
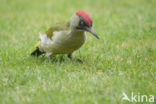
(80, 61)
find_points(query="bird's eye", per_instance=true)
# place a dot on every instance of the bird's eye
(81, 23)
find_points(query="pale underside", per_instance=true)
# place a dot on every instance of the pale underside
(61, 42)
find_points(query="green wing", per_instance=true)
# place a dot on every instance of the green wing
(57, 27)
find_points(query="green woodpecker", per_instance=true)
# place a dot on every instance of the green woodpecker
(65, 38)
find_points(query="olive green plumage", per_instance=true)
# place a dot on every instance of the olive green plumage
(60, 38)
(65, 37)
(57, 27)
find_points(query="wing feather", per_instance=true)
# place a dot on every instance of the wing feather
(57, 27)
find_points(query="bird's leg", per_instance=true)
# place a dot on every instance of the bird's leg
(80, 61)
(48, 55)
(70, 56)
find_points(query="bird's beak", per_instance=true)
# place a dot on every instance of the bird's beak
(91, 30)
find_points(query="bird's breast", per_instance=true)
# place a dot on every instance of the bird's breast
(67, 42)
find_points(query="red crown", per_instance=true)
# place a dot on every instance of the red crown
(85, 16)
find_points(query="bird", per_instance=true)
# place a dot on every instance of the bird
(65, 37)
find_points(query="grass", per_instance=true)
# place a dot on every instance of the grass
(123, 60)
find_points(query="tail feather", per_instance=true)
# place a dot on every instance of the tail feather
(36, 52)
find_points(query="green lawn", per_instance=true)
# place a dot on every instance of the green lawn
(123, 60)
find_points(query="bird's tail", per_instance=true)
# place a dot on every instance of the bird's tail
(36, 52)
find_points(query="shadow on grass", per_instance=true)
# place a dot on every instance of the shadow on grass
(55, 59)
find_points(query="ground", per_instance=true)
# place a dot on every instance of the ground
(123, 60)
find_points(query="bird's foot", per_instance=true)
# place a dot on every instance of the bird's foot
(80, 61)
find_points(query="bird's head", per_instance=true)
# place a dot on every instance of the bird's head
(81, 21)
